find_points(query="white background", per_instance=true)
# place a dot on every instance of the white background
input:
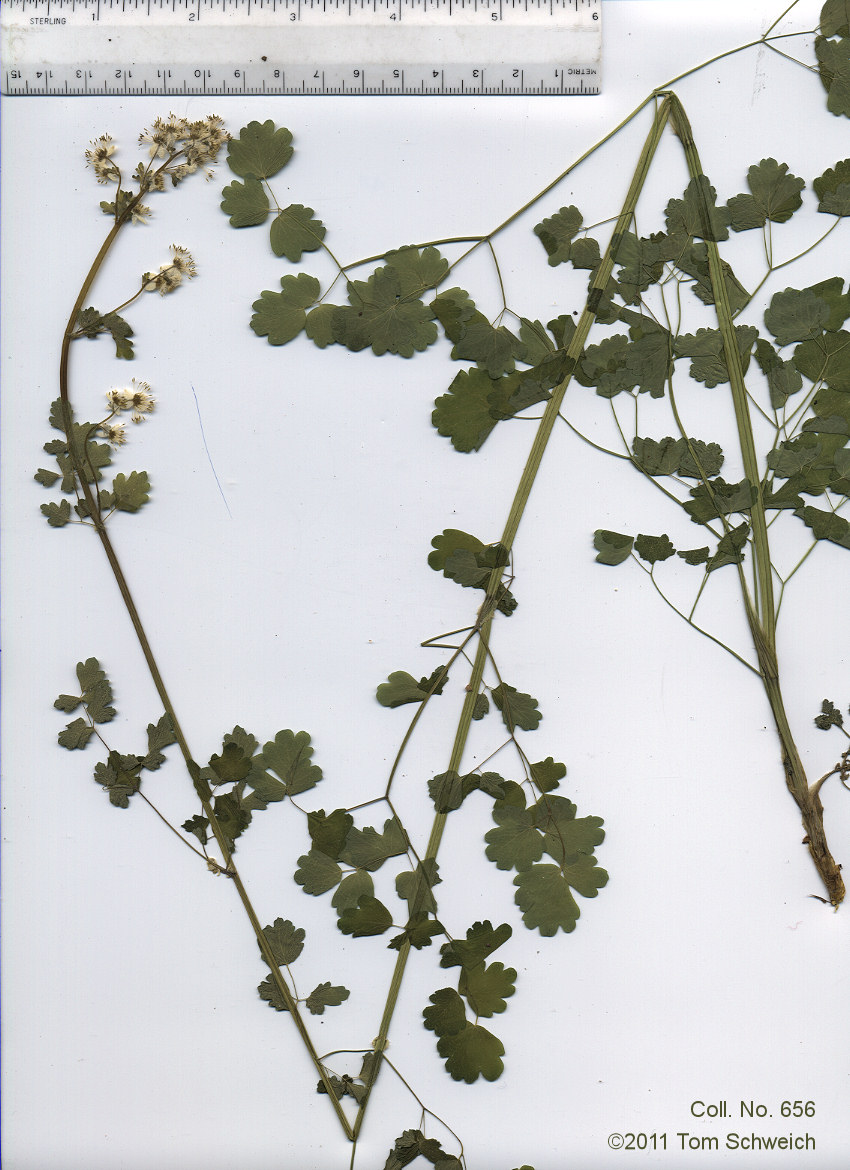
(704, 971)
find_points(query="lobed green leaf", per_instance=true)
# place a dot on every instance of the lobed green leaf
(612, 548)
(246, 203)
(471, 1053)
(368, 917)
(518, 709)
(317, 873)
(285, 940)
(296, 230)
(326, 995)
(281, 316)
(260, 151)
(482, 939)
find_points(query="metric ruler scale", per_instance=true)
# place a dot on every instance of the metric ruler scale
(73, 48)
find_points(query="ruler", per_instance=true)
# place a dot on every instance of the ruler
(73, 48)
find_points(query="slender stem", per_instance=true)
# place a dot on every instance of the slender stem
(77, 458)
(521, 497)
(760, 610)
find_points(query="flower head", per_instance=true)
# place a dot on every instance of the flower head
(136, 397)
(113, 433)
(170, 276)
(99, 156)
(183, 144)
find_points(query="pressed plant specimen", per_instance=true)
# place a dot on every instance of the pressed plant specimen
(515, 367)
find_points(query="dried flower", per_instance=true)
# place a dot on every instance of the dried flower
(194, 144)
(170, 276)
(113, 433)
(136, 397)
(99, 156)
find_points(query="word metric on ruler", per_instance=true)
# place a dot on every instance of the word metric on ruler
(127, 47)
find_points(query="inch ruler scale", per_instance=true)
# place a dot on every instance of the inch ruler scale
(68, 48)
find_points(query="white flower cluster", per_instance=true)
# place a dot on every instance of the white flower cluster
(137, 398)
(194, 143)
(99, 156)
(170, 276)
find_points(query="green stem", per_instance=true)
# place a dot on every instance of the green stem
(521, 497)
(760, 609)
(141, 635)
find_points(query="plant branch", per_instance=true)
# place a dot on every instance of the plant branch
(201, 787)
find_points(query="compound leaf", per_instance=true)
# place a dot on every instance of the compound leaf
(296, 230)
(419, 932)
(260, 151)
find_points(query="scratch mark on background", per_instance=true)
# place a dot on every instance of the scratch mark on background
(209, 457)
